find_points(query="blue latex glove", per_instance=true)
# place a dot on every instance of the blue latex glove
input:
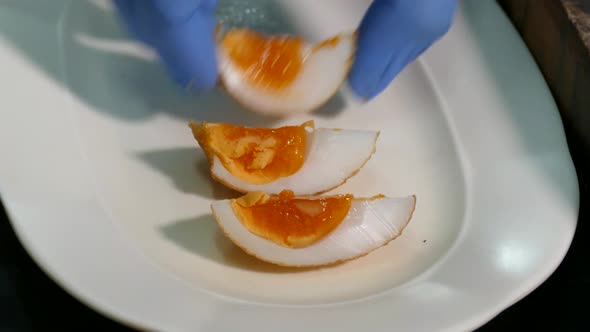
(181, 32)
(392, 34)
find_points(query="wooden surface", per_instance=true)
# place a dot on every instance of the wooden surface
(579, 14)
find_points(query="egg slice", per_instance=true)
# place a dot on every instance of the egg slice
(312, 231)
(280, 74)
(300, 158)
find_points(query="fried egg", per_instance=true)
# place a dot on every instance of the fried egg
(283, 74)
(300, 158)
(312, 231)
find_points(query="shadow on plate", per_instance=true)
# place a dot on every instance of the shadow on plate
(202, 236)
(188, 169)
(120, 77)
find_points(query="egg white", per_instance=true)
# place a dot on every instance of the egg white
(323, 72)
(369, 224)
(332, 157)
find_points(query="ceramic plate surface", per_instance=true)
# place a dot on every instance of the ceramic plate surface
(109, 192)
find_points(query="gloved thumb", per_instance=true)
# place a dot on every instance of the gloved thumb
(181, 32)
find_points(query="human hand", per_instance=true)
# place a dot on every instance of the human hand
(181, 32)
(392, 34)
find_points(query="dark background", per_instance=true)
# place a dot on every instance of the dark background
(558, 34)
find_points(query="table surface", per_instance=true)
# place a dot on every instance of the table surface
(579, 14)
(30, 301)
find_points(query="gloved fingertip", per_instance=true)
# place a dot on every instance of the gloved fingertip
(179, 10)
(361, 83)
(193, 81)
(359, 89)
(201, 85)
(369, 84)
(188, 51)
(123, 6)
(367, 88)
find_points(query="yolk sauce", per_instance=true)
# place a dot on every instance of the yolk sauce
(289, 221)
(255, 155)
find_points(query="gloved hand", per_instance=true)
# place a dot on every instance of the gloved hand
(392, 34)
(181, 32)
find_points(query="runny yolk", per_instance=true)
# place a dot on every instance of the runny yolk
(267, 61)
(289, 221)
(255, 155)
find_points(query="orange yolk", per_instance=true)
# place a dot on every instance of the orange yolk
(255, 155)
(267, 61)
(332, 42)
(289, 221)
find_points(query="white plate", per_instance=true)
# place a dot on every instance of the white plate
(107, 189)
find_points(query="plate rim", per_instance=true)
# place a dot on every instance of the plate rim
(13, 212)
